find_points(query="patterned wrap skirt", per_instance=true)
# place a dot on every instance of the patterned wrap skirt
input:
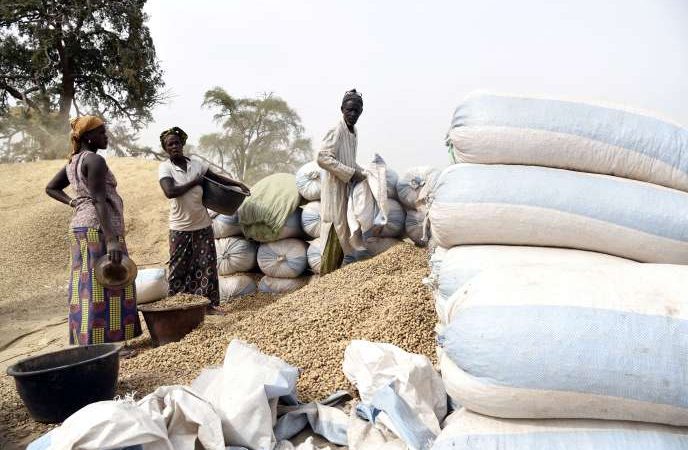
(193, 264)
(97, 314)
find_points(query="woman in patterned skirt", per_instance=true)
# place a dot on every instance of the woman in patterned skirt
(96, 314)
(193, 261)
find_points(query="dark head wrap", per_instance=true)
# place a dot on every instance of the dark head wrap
(173, 131)
(353, 95)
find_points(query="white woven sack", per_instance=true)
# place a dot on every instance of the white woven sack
(464, 429)
(314, 255)
(396, 217)
(605, 341)
(308, 181)
(226, 226)
(235, 254)
(499, 129)
(272, 285)
(460, 264)
(392, 178)
(283, 259)
(236, 285)
(543, 207)
(414, 226)
(292, 227)
(415, 184)
(151, 285)
(310, 219)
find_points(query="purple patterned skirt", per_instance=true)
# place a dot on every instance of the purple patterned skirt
(97, 314)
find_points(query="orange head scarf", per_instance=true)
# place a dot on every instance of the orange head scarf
(81, 125)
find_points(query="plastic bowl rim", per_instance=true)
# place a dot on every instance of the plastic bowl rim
(14, 373)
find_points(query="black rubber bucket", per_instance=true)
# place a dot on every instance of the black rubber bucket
(222, 199)
(55, 385)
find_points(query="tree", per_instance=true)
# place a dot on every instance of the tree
(259, 136)
(62, 55)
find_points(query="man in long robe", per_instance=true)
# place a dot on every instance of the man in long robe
(337, 156)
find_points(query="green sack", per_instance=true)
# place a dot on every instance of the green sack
(272, 200)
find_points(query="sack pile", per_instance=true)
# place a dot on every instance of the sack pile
(276, 233)
(308, 185)
(413, 189)
(544, 312)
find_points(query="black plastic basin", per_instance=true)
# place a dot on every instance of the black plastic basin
(55, 385)
(222, 199)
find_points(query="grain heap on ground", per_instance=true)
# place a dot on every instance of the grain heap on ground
(381, 299)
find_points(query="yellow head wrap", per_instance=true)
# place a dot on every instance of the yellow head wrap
(81, 125)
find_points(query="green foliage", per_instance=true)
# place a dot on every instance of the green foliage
(260, 136)
(56, 56)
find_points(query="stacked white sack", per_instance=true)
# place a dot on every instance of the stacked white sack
(415, 184)
(554, 341)
(413, 189)
(314, 255)
(310, 219)
(151, 285)
(273, 285)
(308, 181)
(283, 259)
(236, 285)
(537, 206)
(498, 129)
(226, 226)
(235, 254)
(291, 227)
(460, 264)
(414, 225)
(466, 430)
(392, 178)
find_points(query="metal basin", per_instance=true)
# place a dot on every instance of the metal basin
(222, 199)
(55, 385)
(173, 323)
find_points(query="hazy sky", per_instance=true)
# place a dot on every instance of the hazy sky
(414, 61)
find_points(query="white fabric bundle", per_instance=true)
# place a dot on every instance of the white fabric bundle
(467, 430)
(403, 387)
(314, 255)
(236, 286)
(308, 181)
(226, 226)
(415, 220)
(460, 264)
(274, 285)
(414, 186)
(604, 341)
(498, 129)
(235, 254)
(285, 258)
(310, 219)
(367, 206)
(151, 285)
(538, 206)
(396, 217)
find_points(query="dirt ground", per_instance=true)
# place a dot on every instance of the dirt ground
(34, 253)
